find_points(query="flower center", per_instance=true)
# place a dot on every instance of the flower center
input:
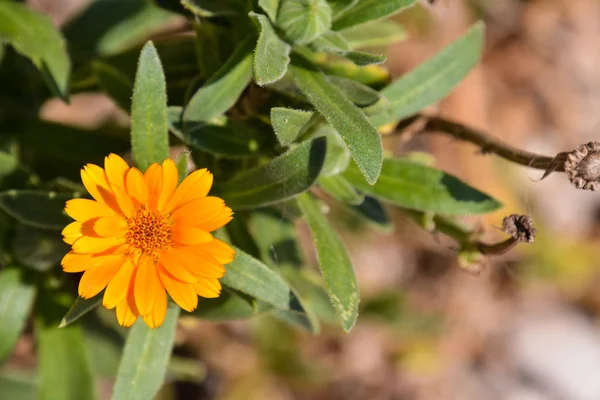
(149, 232)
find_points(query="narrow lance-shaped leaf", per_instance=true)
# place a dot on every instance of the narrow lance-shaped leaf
(338, 188)
(282, 178)
(334, 261)
(65, 372)
(360, 135)
(34, 36)
(36, 208)
(145, 359)
(374, 34)
(334, 42)
(304, 20)
(435, 78)
(16, 300)
(370, 10)
(223, 89)
(79, 308)
(272, 55)
(288, 123)
(248, 275)
(419, 187)
(149, 132)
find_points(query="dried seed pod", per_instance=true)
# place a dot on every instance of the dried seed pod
(520, 227)
(583, 166)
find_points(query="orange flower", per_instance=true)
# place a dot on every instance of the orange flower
(142, 234)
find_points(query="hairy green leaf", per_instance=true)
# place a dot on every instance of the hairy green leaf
(145, 359)
(270, 7)
(338, 188)
(360, 135)
(272, 55)
(16, 300)
(374, 34)
(149, 132)
(79, 308)
(334, 42)
(223, 89)
(370, 10)
(359, 94)
(334, 261)
(250, 276)
(304, 20)
(36, 208)
(419, 187)
(35, 36)
(435, 78)
(281, 179)
(288, 123)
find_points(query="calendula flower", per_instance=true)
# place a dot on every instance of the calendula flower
(143, 236)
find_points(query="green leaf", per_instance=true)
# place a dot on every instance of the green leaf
(360, 135)
(276, 239)
(435, 78)
(145, 359)
(280, 179)
(272, 55)
(289, 124)
(374, 34)
(370, 10)
(223, 89)
(415, 186)
(338, 188)
(302, 21)
(16, 300)
(334, 262)
(19, 385)
(359, 94)
(149, 132)
(334, 42)
(36, 208)
(79, 308)
(229, 306)
(39, 249)
(182, 164)
(114, 83)
(373, 212)
(238, 234)
(270, 7)
(248, 275)
(65, 373)
(339, 7)
(35, 36)
(338, 156)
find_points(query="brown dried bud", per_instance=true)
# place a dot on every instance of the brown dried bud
(583, 166)
(520, 227)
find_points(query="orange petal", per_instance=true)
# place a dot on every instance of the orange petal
(146, 286)
(199, 262)
(178, 266)
(110, 226)
(196, 185)
(169, 182)
(209, 288)
(95, 279)
(127, 312)
(189, 235)
(182, 293)
(218, 221)
(74, 262)
(157, 316)
(197, 211)
(124, 201)
(94, 180)
(153, 177)
(116, 170)
(72, 232)
(220, 250)
(136, 186)
(87, 244)
(83, 209)
(119, 286)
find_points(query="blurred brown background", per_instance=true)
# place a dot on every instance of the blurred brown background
(527, 327)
